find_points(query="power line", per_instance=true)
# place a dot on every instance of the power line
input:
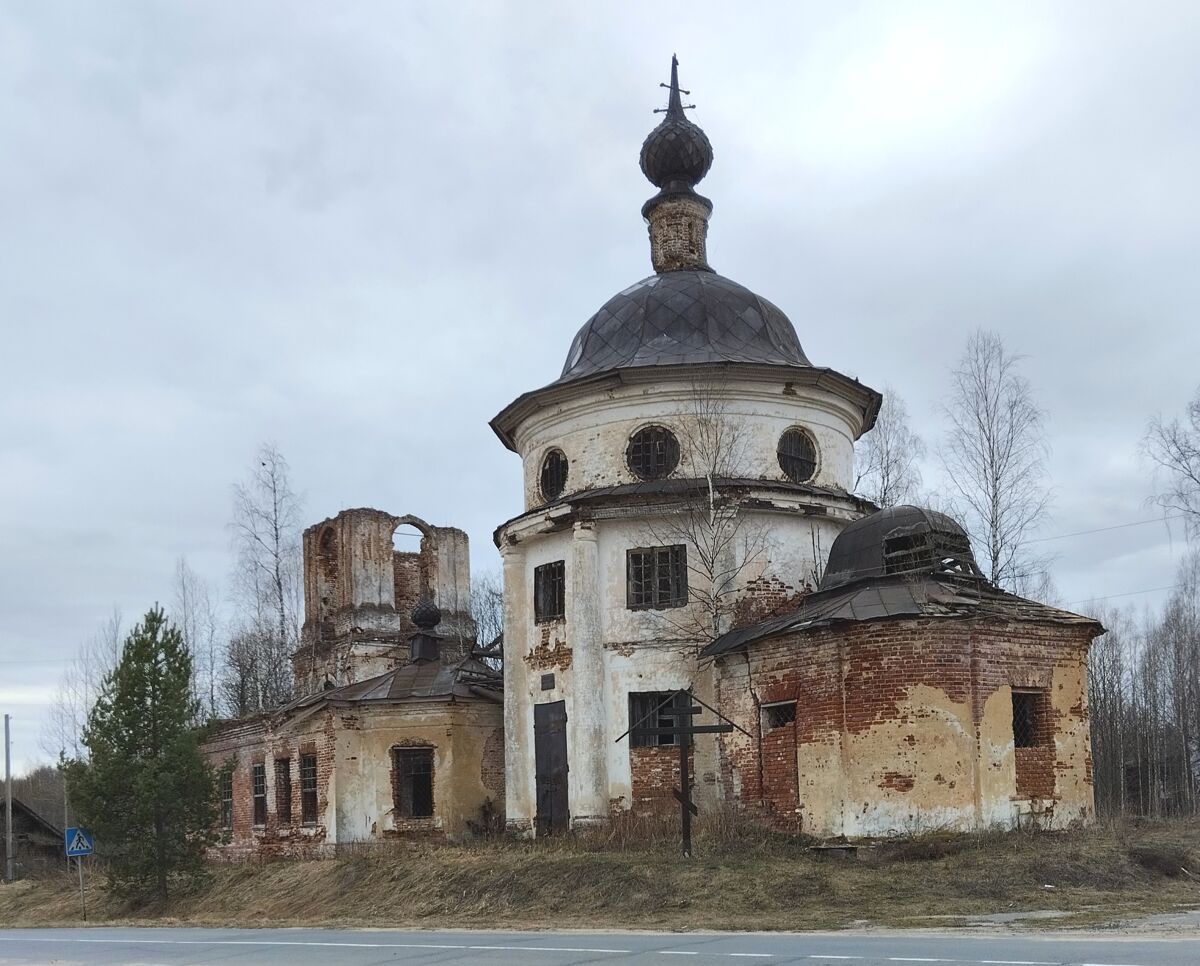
(1128, 593)
(1116, 526)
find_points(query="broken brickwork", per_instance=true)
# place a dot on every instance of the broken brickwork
(905, 725)
(359, 592)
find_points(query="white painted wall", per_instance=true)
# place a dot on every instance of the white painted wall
(615, 650)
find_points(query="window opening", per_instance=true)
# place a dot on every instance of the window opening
(283, 790)
(778, 715)
(258, 784)
(928, 551)
(227, 801)
(549, 592)
(656, 577)
(413, 791)
(653, 453)
(1028, 717)
(308, 789)
(641, 703)
(554, 474)
(797, 455)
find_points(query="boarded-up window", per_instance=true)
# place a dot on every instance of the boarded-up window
(258, 785)
(549, 591)
(413, 784)
(227, 800)
(283, 790)
(643, 715)
(656, 578)
(308, 789)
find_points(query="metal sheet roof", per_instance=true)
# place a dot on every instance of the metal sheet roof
(676, 318)
(893, 597)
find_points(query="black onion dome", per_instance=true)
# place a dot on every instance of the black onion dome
(677, 153)
(899, 540)
(680, 318)
(426, 614)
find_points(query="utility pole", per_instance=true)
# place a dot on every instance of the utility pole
(10, 860)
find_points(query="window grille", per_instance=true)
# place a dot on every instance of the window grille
(258, 786)
(653, 453)
(283, 790)
(797, 455)
(1028, 718)
(549, 592)
(641, 703)
(554, 474)
(308, 789)
(227, 801)
(656, 577)
(778, 715)
(413, 790)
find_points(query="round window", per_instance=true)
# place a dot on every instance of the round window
(653, 453)
(554, 474)
(797, 455)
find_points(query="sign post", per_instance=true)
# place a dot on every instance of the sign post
(10, 860)
(79, 843)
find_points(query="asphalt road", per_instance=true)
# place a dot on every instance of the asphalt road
(301, 947)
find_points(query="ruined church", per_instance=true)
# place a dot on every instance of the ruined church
(687, 525)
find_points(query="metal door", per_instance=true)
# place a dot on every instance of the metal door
(550, 766)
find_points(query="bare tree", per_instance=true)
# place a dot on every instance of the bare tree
(889, 473)
(79, 687)
(724, 544)
(266, 525)
(1174, 446)
(487, 607)
(196, 617)
(994, 453)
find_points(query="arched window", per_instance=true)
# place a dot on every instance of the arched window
(797, 455)
(327, 572)
(653, 453)
(554, 474)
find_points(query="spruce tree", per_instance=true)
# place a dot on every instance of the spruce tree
(145, 791)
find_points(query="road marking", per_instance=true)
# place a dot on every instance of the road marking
(830, 956)
(548, 949)
(755, 955)
(1107, 964)
(677, 952)
(919, 959)
(1015, 962)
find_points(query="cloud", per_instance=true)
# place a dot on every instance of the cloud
(360, 231)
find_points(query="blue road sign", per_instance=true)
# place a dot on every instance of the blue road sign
(79, 842)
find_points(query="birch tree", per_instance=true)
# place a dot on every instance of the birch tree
(888, 457)
(266, 536)
(725, 546)
(1174, 447)
(994, 453)
(194, 613)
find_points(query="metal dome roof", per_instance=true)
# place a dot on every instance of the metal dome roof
(899, 540)
(678, 318)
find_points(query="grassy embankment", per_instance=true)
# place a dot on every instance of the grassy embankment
(741, 878)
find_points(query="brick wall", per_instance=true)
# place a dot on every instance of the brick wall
(891, 715)
(654, 772)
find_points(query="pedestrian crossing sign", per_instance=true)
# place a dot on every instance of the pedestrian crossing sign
(79, 842)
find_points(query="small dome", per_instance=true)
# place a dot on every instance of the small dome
(899, 540)
(677, 153)
(426, 614)
(678, 318)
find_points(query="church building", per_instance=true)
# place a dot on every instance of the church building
(397, 726)
(688, 524)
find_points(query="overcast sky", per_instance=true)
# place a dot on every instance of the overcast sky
(360, 230)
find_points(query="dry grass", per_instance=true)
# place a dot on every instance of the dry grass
(631, 875)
